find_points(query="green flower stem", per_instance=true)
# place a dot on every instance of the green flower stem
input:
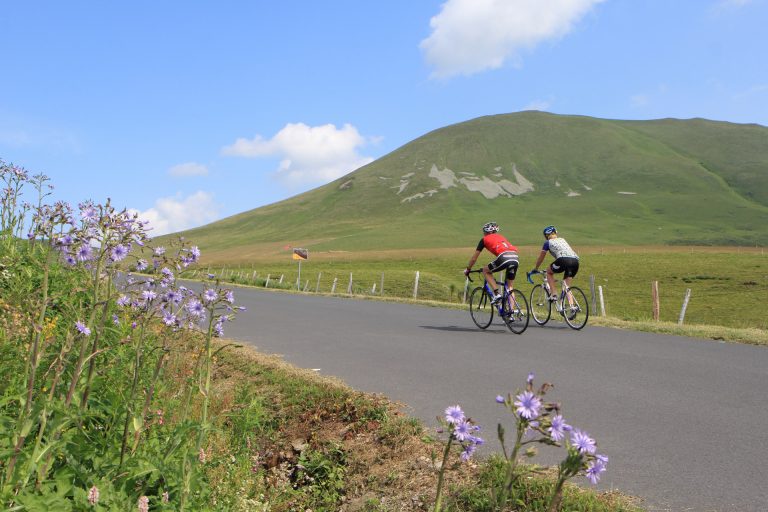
(441, 475)
(132, 395)
(509, 477)
(207, 386)
(32, 363)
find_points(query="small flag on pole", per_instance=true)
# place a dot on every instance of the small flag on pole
(300, 254)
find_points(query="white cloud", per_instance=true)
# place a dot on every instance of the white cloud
(734, 3)
(639, 100)
(308, 154)
(188, 169)
(171, 214)
(469, 36)
(541, 105)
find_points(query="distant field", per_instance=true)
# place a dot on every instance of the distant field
(729, 286)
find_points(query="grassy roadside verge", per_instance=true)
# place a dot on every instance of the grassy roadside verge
(289, 439)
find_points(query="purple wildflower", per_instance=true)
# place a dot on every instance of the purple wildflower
(123, 301)
(218, 329)
(582, 442)
(594, 469)
(500, 399)
(469, 450)
(229, 296)
(115, 319)
(529, 380)
(195, 308)
(528, 405)
(558, 428)
(169, 319)
(88, 213)
(462, 430)
(195, 252)
(84, 252)
(119, 252)
(210, 295)
(70, 260)
(141, 265)
(84, 330)
(159, 251)
(148, 295)
(454, 414)
(173, 296)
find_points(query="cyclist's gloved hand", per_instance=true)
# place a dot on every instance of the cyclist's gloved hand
(529, 274)
(466, 271)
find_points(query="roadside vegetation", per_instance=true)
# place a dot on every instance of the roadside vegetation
(117, 392)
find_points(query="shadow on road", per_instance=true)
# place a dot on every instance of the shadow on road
(455, 328)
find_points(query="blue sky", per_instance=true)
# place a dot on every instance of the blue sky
(189, 112)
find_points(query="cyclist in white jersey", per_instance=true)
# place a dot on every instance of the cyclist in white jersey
(566, 259)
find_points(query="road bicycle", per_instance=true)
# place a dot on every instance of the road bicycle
(572, 303)
(512, 308)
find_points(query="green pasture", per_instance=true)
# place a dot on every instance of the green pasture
(728, 286)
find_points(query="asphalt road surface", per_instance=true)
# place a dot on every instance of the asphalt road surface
(683, 420)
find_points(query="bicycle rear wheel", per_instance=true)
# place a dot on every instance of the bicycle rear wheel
(514, 311)
(480, 308)
(541, 307)
(576, 314)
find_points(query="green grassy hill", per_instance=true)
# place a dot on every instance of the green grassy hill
(692, 182)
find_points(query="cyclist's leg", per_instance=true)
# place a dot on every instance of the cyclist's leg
(511, 274)
(571, 269)
(551, 280)
(490, 279)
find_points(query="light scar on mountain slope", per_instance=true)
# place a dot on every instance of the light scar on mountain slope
(471, 181)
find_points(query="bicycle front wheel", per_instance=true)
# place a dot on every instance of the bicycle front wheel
(514, 311)
(480, 308)
(541, 307)
(576, 313)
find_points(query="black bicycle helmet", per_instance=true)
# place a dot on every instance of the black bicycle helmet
(491, 227)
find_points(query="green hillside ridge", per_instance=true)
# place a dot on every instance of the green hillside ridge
(691, 182)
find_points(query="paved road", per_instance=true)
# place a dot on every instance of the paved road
(683, 421)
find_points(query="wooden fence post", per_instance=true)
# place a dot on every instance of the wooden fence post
(592, 291)
(466, 287)
(281, 278)
(333, 287)
(306, 286)
(317, 287)
(349, 287)
(381, 289)
(655, 297)
(416, 286)
(602, 302)
(685, 306)
(373, 290)
(266, 283)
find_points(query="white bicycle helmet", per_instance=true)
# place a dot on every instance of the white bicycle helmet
(491, 227)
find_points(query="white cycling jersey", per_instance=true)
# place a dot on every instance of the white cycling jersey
(559, 248)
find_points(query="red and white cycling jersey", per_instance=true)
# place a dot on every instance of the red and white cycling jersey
(496, 244)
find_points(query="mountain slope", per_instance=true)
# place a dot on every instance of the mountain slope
(600, 181)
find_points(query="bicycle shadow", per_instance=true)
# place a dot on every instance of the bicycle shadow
(456, 328)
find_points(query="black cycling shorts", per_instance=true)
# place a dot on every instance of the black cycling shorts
(568, 265)
(505, 261)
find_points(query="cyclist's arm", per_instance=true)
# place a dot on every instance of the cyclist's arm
(541, 257)
(473, 259)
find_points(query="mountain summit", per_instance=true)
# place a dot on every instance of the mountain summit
(600, 181)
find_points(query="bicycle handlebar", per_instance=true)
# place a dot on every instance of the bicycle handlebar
(531, 273)
(473, 272)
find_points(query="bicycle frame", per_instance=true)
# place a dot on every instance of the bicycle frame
(571, 304)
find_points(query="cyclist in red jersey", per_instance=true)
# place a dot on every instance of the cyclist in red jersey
(506, 258)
